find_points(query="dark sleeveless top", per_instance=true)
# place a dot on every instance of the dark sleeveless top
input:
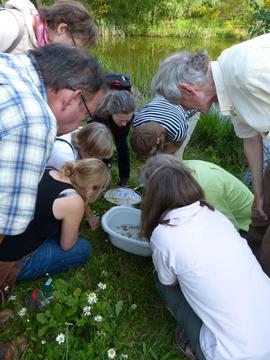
(43, 225)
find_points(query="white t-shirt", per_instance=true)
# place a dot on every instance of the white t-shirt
(242, 80)
(221, 280)
(63, 151)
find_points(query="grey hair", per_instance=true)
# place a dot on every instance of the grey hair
(155, 162)
(117, 102)
(64, 67)
(184, 66)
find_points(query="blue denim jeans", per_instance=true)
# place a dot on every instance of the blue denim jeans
(51, 258)
(183, 313)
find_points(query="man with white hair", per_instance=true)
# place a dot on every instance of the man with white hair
(238, 83)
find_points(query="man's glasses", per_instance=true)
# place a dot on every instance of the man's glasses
(84, 102)
(87, 109)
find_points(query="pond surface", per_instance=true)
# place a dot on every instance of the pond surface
(140, 56)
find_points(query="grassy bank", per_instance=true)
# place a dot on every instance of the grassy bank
(184, 28)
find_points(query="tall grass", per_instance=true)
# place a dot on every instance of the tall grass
(214, 140)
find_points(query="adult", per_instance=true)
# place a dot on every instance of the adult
(176, 122)
(116, 111)
(40, 96)
(221, 189)
(206, 273)
(239, 83)
(93, 140)
(23, 27)
(50, 243)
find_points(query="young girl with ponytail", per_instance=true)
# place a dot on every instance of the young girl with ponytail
(51, 243)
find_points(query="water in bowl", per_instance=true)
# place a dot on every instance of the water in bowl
(130, 231)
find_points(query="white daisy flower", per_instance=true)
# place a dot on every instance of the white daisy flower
(12, 297)
(101, 333)
(60, 338)
(104, 273)
(22, 312)
(92, 298)
(87, 310)
(111, 353)
(134, 306)
(123, 356)
(102, 286)
(98, 318)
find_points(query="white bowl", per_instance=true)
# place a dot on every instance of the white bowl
(123, 196)
(119, 216)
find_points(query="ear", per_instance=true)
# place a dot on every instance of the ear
(68, 96)
(186, 89)
(61, 28)
(160, 142)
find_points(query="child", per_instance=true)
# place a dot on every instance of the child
(117, 111)
(221, 189)
(149, 138)
(93, 140)
(50, 242)
(175, 124)
(206, 273)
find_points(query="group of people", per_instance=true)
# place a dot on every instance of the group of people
(208, 232)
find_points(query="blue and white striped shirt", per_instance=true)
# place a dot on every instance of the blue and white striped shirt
(172, 117)
(27, 132)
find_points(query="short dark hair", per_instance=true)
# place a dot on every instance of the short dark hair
(65, 67)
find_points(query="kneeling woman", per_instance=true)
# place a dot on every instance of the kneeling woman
(50, 243)
(206, 273)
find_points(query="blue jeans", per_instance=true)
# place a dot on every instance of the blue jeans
(183, 313)
(51, 258)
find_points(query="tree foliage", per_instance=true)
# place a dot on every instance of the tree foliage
(260, 19)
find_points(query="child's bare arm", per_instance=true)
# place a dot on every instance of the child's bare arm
(91, 218)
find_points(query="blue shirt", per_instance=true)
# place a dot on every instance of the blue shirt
(27, 132)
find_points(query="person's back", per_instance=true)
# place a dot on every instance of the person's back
(220, 278)
(224, 191)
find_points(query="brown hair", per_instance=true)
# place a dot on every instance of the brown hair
(75, 15)
(144, 138)
(155, 162)
(94, 140)
(87, 172)
(169, 187)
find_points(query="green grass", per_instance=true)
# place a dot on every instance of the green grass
(147, 332)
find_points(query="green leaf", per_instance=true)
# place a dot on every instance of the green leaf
(77, 292)
(118, 307)
(42, 318)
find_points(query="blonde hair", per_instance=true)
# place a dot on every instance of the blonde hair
(86, 172)
(94, 140)
(144, 138)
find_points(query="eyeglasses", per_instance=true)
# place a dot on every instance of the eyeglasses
(84, 102)
(87, 109)
(73, 39)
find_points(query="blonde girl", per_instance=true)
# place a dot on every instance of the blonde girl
(93, 140)
(51, 243)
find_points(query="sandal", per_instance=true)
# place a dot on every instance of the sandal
(183, 343)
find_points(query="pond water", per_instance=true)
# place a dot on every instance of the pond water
(140, 56)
